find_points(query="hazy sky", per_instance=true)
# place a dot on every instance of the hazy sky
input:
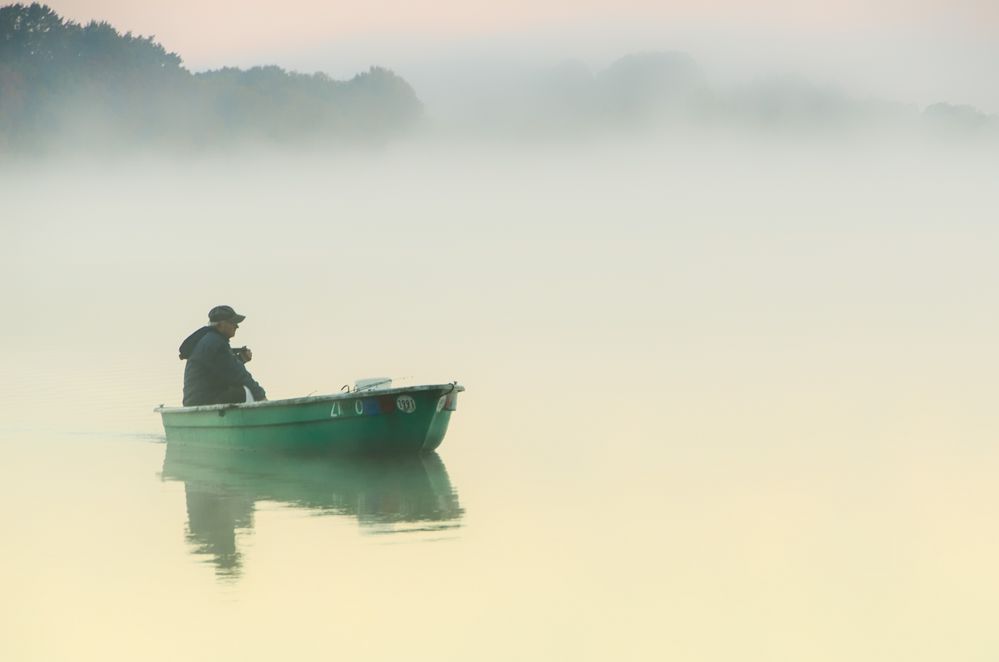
(917, 51)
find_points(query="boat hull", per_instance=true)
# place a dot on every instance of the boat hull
(402, 420)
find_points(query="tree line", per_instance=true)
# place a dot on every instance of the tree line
(67, 84)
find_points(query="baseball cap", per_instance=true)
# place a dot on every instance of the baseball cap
(224, 314)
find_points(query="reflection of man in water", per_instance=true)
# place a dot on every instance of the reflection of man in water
(213, 517)
(215, 373)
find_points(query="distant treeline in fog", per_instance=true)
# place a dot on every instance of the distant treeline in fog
(63, 84)
(669, 90)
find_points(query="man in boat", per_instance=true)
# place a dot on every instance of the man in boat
(215, 373)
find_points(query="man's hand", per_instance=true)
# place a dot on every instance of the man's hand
(247, 355)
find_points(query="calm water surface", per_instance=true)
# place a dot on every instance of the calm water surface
(751, 426)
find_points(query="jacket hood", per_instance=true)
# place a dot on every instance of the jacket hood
(187, 347)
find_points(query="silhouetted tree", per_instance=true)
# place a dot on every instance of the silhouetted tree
(95, 87)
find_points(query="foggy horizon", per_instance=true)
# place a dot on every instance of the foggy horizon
(91, 86)
(942, 52)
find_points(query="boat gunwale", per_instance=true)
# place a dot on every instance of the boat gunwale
(310, 399)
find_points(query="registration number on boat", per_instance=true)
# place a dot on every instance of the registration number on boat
(403, 403)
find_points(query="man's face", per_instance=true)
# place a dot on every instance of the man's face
(228, 328)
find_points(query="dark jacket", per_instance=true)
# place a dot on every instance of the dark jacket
(213, 373)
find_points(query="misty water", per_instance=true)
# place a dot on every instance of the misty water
(726, 400)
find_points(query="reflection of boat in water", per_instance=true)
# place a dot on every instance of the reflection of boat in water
(394, 420)
(386, 494)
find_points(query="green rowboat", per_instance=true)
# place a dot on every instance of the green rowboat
(395, 420)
